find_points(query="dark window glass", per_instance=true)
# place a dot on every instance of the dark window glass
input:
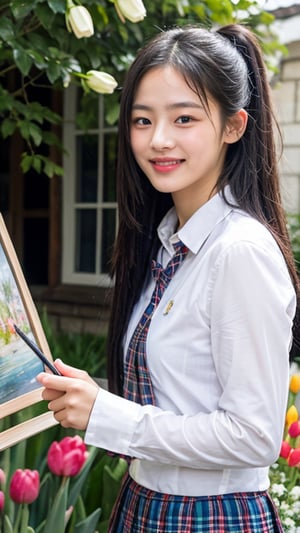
(85, 240)
(35, 258)
(86, 168)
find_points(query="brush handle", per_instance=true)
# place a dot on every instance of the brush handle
(36, 350)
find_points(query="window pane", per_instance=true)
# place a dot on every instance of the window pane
(108, 238)
(86, 168)
(85, 240)
(35, 258)
(109, 167)
(36, 190)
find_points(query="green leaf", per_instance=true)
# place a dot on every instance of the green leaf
(53, 71)
(37, 163)
(6, 29)
(35, 133)
(55, 521)
(39, 42)
(81, 478)
(26, 162)
(45, 15)
(51, 139)
(8, 127)
(89, 524)
(23, 60)
(49, 168)
(24, 129)
(7, 525)
(37, 58)
(57, 6)
(113, 114)
(21, 9)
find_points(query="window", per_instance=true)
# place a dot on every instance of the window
(89, 196)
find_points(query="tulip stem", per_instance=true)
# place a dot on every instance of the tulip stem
(293, 478)
(25, 518)
(18, 519)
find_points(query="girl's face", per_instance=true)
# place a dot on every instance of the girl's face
(178, 146)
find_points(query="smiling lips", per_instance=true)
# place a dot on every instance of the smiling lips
(165, 165)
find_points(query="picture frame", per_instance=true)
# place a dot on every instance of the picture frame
(19, 365)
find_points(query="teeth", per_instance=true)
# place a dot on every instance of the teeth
(167, 163)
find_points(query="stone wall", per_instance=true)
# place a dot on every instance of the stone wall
(286, 92)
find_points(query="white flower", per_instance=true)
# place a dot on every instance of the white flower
(284, 508)
(133, 10)
(282, 477)
(100, 82)
(278, 489)
(296, 507)
(79, 21)
(295, 492)
(290, 525)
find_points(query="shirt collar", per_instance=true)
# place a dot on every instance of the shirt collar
(197, 228)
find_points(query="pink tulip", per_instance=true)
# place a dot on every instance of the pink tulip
(285, 449)
(294, 429)
(24, 486)
(294, 457)
(1, 500)
(66, 458)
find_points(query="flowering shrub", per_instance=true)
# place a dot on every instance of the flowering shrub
(285, 473)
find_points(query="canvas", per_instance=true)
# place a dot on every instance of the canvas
(19, 365)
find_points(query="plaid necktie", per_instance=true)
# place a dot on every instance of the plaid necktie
(137, 380)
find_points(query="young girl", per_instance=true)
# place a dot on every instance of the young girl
(204, 298)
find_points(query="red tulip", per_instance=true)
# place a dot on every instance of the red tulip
(294, 429)
(66, 458)
(294, 457)
(1, 500)
(24, 486)
(285, 449)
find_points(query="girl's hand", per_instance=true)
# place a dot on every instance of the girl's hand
(71, 396)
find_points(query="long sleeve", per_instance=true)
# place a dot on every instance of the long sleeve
(218, 359)
(251, 309)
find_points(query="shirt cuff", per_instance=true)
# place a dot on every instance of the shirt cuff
(112, 422)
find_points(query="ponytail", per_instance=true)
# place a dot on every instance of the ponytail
(256, 184)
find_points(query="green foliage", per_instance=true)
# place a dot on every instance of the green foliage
(83, 350)
(294, 232)
(38, 52)
(92, 492)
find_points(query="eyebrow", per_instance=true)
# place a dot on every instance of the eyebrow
(176, 105)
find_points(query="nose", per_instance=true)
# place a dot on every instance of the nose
(163, 137)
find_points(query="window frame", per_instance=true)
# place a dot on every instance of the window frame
(70, 205)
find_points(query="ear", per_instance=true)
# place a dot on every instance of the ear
(236, 126)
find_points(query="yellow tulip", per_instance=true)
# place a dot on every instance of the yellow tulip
(295, 383)
(291, 415)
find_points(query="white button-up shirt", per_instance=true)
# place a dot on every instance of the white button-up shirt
(217, 352)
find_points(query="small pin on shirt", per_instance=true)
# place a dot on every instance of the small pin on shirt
(169, 307)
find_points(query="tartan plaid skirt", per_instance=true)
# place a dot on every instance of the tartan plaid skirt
(140, 510)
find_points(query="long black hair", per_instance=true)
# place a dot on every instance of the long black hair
(228, 66)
